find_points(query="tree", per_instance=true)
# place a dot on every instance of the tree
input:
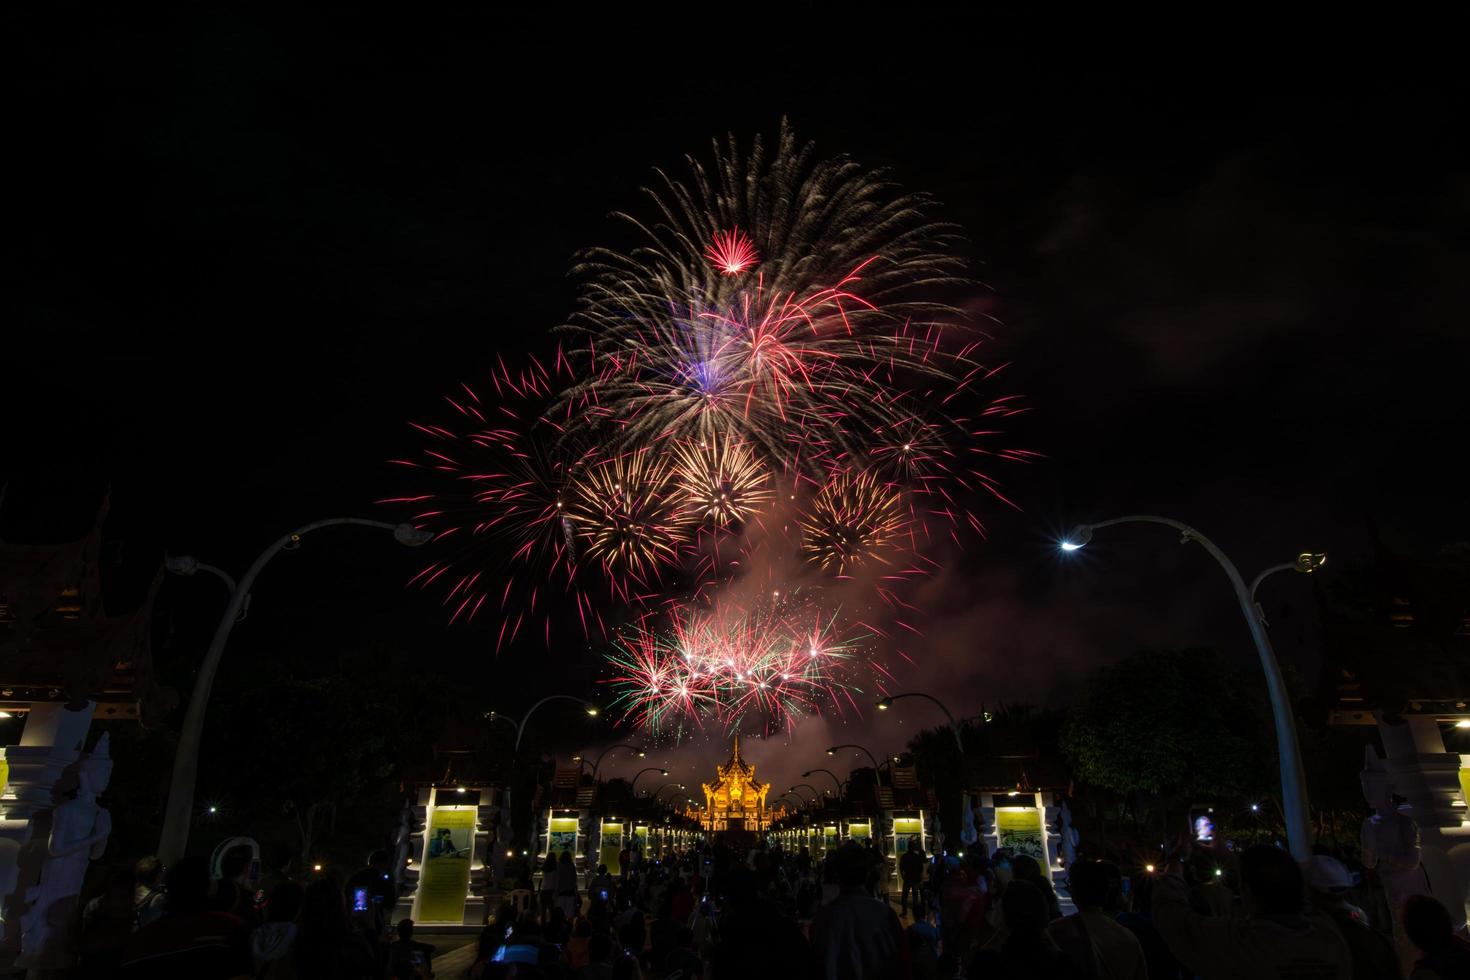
(1178, 725)
(308, 750)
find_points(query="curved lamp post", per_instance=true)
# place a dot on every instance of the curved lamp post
(180, 804)
(633, 785)
(520, 726)
(664, 786)
(877, 774)
(886, 702)
(1293, 777)
(801, 802)
(616, 745)
(830, 775)
(816, 793)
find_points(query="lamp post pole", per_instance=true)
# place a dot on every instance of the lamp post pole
(877, 773)
(633, 785)
(886, 702)
(179, 807)
(615, 745)
(1293, 776)
(830, 775)
(520, 727)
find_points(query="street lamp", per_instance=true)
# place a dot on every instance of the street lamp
(886, 702)
(850, 745)
(801, 802)
(590, 709)
(180, 805)
(816, 794)
(1293, 777)
(664, 786)
(615, 745)
(830, 775)
(633, 785)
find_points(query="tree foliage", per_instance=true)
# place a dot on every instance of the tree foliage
(1173, 723)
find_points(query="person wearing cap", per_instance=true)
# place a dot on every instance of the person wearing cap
(1328, 886)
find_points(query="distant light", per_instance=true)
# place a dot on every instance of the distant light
(959, 854)
(214, 809)
(1149, 868)
(316, 867)
(1070, 545)
(591, 711)
(1255, 807)
(1218, 872)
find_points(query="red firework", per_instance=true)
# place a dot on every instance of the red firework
(495, 475)
(732, 252)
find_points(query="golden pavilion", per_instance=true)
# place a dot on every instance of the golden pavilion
(736, 802)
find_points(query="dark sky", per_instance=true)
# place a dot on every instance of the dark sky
(1230, 281)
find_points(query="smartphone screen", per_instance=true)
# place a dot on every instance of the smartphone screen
(1202, 824)
(359, 900)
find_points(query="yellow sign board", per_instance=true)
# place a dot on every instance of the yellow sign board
(444, 881)
(859, 831)
(562, 836)
(612, 843)
(1019, 828)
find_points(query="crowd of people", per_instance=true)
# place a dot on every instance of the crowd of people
(716, 913)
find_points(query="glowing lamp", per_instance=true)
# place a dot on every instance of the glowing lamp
(1081, 534)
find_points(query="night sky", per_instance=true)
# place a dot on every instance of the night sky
(244, 253)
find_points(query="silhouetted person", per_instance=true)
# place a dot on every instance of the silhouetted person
(107, 924)
(148, 894)
(327, 946)
(1328, 887)
(1097, 945)
(192, 941)
(1027, 953)
(1277, 937)
(272, 942)
(856, 936)
(1445, 955)
(407, 958)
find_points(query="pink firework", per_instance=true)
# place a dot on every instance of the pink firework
(780, 661)
(490, 486)
(732, 252)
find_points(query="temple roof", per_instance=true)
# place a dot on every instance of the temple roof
(57, 641)
(736, 766)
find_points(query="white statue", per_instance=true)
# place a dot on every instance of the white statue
(1390, 840)
(79, 831)
(1069, 835)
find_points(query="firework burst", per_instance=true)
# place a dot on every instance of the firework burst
(629, 518)
(731, 252)
(781, 660)
(854, 520)
(723, 484)
(783, 360)
(498, 471)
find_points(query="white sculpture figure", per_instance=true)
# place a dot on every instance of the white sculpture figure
(1390, 840)
(968, 834)
(79, 831)
(1069, 836)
